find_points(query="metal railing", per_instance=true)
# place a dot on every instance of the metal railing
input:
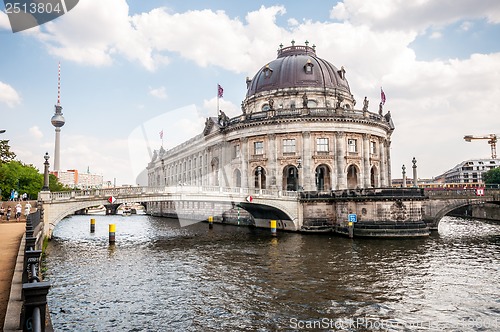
(34, 291)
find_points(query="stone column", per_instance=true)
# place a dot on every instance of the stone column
(366, 161)
(404, 176)
(331, 151)
(272, 161)
(415, 179)
(383, 163)
(341, 175)
(244, 162)
(223, 176)
(388, 153)
(306, 161)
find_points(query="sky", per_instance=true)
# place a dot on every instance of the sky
(130, 69)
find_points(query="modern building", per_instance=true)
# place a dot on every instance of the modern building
(300, 129)
(468, 171)
(73, 179)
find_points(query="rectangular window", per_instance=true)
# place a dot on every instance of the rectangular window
(258, 148)
(289, 146)
(373, 147)
(236, 151)
(322, 145)
(352, 145)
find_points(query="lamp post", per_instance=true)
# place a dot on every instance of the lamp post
(404, 176)
(299, 166)
(46, 173)
(415, 181)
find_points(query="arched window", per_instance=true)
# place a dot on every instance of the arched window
(352, 177)
(290, 178)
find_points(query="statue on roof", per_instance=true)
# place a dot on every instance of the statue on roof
(365, 104)
(223, 119)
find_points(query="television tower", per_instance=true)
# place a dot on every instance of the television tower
(58, 121)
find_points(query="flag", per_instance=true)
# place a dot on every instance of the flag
(382, 96)
(161, 134)
(220, 91)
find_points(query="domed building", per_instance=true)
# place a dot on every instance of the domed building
(300, 129)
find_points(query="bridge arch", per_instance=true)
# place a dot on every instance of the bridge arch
(438, 208)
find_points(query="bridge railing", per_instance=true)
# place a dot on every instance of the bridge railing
(34, 291)
(165, 190)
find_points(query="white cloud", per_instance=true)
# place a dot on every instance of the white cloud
(9, 95)
(466, 26)
(159, 93)
(36, 132)
(436, 35)
(414, 14)
(433, 103)
(4, 21)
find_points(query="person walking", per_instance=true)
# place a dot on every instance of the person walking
(19, 209)
(2, 212)
(27, 209)
(9, 211)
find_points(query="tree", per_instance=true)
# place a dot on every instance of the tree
(5, 154)
(14, 175)
(492, 176)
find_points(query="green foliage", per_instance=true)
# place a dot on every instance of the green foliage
(492, 176)
(55, 185)
(14, 175)
(5, 154)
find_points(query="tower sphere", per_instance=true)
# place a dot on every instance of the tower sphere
(57, 120)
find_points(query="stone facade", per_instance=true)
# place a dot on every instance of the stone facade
(299, 130)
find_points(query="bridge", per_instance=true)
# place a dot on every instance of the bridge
(293, 211)
(280, 204)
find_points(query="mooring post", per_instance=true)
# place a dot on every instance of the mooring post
(210, 222)
(351, 229)
(273, 227)
(92, 225)
(112, 230)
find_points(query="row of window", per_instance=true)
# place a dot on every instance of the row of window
(322, 145)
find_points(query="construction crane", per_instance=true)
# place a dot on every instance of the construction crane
(492, 140)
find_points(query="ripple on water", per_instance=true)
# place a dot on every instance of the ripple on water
(162, 277)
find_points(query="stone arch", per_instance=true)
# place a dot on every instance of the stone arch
(352, 176)
(323, 177)
(290, 178)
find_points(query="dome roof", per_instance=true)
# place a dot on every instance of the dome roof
(295, 67)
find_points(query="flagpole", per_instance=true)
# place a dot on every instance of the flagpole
(217, 111)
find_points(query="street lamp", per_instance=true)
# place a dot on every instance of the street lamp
(46, 173)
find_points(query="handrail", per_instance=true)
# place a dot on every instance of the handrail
(34, 291)
(165, 190)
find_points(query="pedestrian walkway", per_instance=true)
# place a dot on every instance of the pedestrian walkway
(11, 234)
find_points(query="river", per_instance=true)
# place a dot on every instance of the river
(163, 277)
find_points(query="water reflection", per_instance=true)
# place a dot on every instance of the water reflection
(162, 277)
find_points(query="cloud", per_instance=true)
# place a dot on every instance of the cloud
(9, 95)
(36, 132)
(433, 103)
(4, 21)
(159, 93)
(413, 15)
